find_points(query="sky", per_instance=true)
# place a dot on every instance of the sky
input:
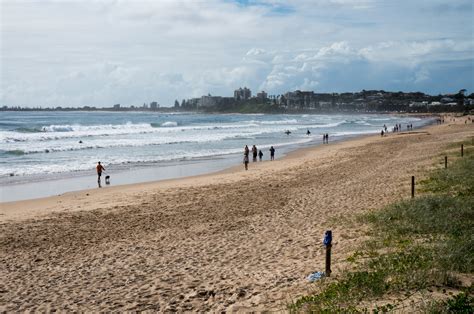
(105, 52)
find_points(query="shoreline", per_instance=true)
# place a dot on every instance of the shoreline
(16, 210)
(228, 167)
(233, 241)
(41, 186)
(13, 210)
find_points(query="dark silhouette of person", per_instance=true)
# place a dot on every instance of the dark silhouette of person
(260, 155)
(308, 132)
(254, 153)
(246, 150)
(272, 153)
(99, 169)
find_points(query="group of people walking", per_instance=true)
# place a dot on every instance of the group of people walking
(256, 153)
(396, 128)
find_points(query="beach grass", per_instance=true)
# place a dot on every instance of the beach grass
(417, 247)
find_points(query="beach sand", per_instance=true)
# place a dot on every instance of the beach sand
(236, 241)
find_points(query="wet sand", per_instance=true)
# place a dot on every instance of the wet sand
(236, 241)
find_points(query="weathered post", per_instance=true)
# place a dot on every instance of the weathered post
(462, 150)
(412, 186)
(445, 162)
(328, 244)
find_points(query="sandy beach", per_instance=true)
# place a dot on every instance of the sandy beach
(236, 240)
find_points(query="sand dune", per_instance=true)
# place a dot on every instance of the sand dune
(236, 241)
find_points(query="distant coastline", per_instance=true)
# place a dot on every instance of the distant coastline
(365, 101)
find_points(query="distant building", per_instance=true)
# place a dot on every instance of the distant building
(153, 105)
(215, 101)
(301, 99)
(262, 95)
(242, 94)
(192, 103)
(210, 101)
(117, 106)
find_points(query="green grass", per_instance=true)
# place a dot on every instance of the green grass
(416, 245)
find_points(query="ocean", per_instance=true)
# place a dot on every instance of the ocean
(47, 145)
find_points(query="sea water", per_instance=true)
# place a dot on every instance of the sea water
(38, 145)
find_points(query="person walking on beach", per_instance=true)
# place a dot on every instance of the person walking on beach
(272, 153)
(326, 138)
(254, 153)
(99, 169)
(260, 155)
(246, 161)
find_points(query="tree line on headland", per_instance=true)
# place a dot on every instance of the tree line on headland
(302, 102)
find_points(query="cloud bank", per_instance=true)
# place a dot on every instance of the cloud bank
(76, 53)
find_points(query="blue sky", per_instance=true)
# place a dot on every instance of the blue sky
(103, 52)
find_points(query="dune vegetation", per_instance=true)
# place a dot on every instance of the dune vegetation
(420, 255)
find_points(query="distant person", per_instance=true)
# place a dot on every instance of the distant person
(381, 133)
(99, 169)
(327, 138)
(287, 132)
(272, 153)
(308, 132)
(260, 155)
(246, 161)
(324, 138)
(246, 150)
(254, 153)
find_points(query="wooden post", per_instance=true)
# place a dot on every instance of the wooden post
(445, 162)
(328, 243)
(328, 260)
(412, 186)
(462, 150)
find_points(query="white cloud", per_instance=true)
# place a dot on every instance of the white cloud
(415, 52)
(421, 76)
